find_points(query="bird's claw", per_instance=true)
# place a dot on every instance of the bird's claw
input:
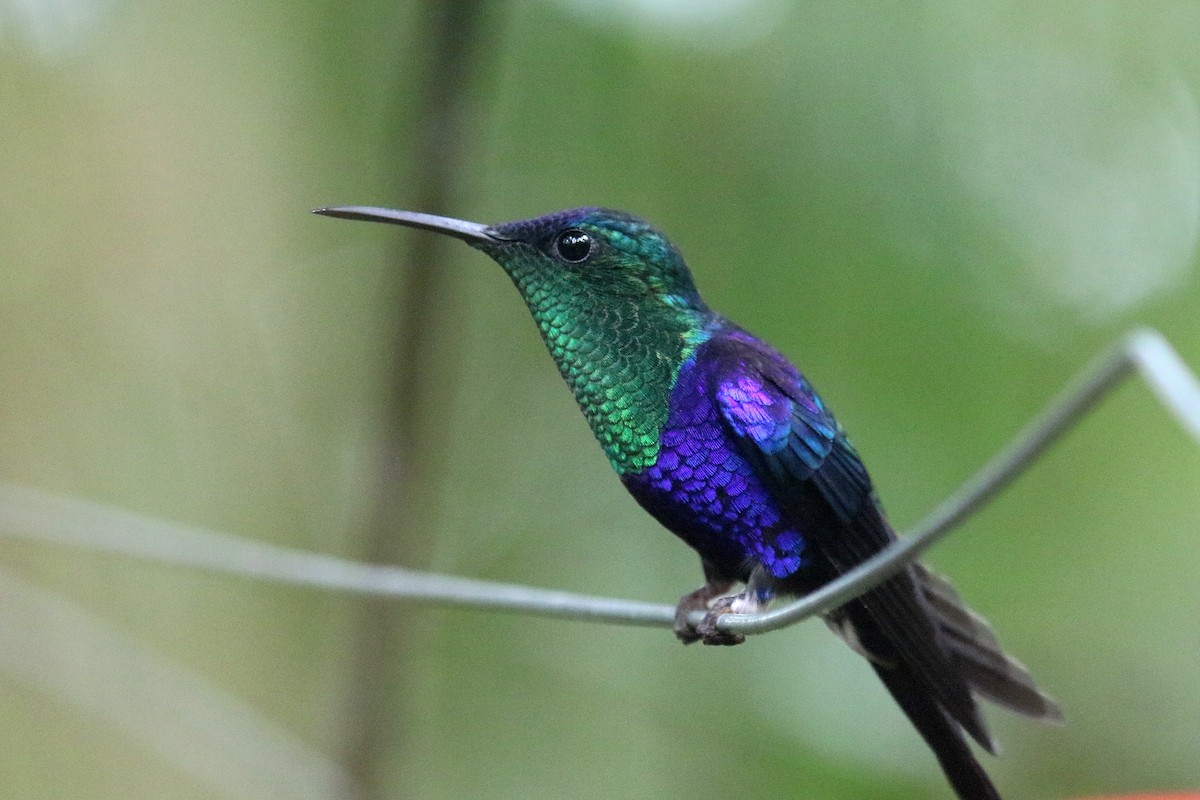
(707, 630)
(683, 627)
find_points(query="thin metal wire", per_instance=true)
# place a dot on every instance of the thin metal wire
(27, 513)
(33, 514)
(1144, 350)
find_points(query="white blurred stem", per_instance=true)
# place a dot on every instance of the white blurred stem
(200, 728)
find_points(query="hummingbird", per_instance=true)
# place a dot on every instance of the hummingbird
(724, 442)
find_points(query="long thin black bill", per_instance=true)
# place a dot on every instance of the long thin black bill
(458, 228)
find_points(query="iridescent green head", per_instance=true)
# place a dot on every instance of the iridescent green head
(607, 253)
(615, 304)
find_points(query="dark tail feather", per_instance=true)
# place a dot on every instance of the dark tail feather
(944, 737)
(990, 671)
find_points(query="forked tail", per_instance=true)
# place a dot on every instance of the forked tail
(991, 673)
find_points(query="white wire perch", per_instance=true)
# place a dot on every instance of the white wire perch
(32, 514)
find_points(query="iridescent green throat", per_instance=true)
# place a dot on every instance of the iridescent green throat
(619, 352)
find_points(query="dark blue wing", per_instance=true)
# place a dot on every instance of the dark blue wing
(817, 477)
(785, 428)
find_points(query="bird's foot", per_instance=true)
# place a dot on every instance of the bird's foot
(698, 600)
(706, 630)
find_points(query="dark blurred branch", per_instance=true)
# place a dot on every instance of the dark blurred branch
(452, 36)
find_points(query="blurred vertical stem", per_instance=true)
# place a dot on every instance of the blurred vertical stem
(452, 31)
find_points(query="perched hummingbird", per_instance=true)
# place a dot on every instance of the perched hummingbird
(726, 444)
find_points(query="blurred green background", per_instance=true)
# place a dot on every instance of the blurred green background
(940, 210)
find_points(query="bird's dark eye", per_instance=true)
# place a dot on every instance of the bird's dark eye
(573, 245)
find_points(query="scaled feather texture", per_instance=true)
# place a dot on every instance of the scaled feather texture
(723, 441)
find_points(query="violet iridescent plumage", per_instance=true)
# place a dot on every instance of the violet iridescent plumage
(726, 444)
(702, 488)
